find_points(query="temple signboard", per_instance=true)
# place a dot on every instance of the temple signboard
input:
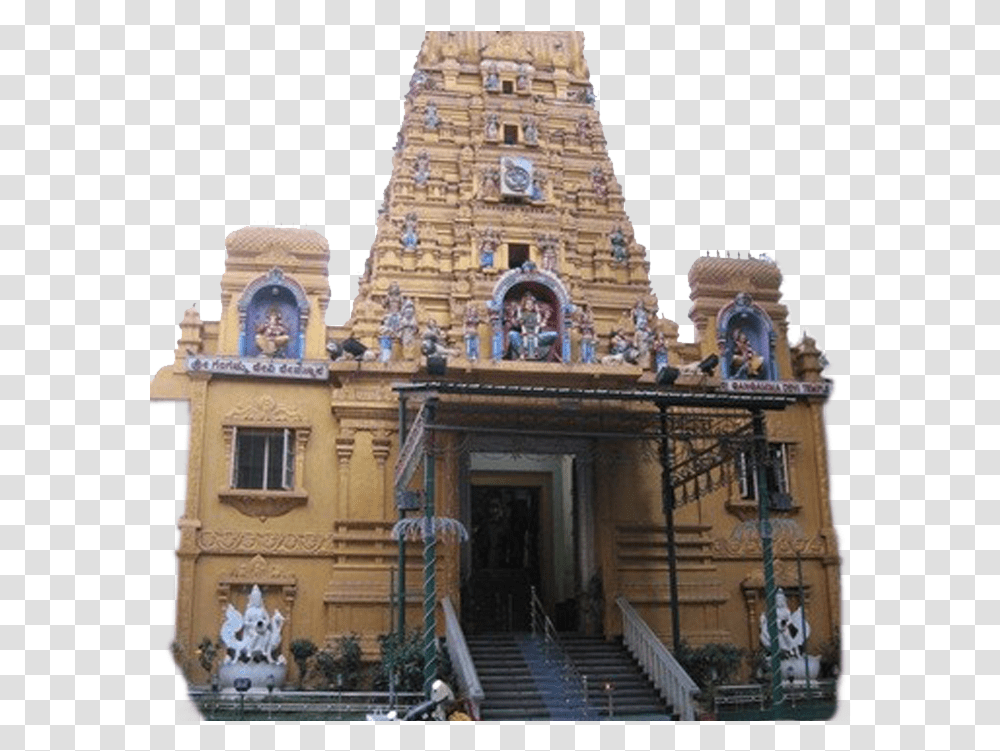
(309, 370)
(801, 388)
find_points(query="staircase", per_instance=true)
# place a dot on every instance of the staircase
(522, 679)
(632, 695)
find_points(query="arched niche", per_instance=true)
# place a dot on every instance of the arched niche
(545, 287)
(270, 294)
(744, 327)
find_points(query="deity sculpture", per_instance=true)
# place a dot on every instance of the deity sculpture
(549, 246)
(522, 78)
(272, 334)
(599, 181)
(641, 321)
(588, 337)
(529, 125)
(793, 630)
(253, 646)
(493, 78)
(488, 243)
(492, 126)
(620, 350)
(619, 245)
(529, 334)
(746, 363)
(660, 349)
(583, 128)
(435, 341)
(409, 238)
(431, 119)
(490, 183)
(422, 168)
(471, 331)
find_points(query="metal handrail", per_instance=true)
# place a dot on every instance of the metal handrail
(541, 621)
(461, 660)
(673, 683)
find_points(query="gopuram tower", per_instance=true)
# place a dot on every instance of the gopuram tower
(501, 166)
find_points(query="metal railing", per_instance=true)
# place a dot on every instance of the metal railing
(574, 682)
(670, 679)
(461, 660)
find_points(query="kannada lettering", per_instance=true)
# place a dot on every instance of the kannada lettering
(251, 366)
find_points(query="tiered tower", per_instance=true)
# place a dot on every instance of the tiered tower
(501, 165)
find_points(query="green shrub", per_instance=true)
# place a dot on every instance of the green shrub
(710, 665)
(302, 650)
(403, 656)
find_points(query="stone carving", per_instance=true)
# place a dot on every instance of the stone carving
(422, 169)
(530, 334)
(272, 334)
(583, 129)
(660, 350)
(549, 245)
(747, 364)
(399, 322)
(431, 119)
(435, 341)
(529, 125)
(492, 127)
(599, 181)
(400, 142)
(409, 238)
(588, 337)
(264, 409)
(538, 180)
(793, 630)
(492, 80)
(620, 350)
(643, 331)
(472, 319)
(619, 245)
(253, 644)
(488, 243)
(490, 183)
(408, 323)
(523, 77)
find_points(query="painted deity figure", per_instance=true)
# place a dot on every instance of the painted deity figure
(599, 181)
(530, 127)
(422, 168)
(490, 183)
(527, 324)
(522, 78)
(435, 341)
(272, 333)
(409, 238)
(493, 78)
(471, 331)
(588, 336)
(431, 119)
(746, 363)
(660, 349)
(487, 248)
(408, 322)
(619, 245)
(492, 126)
(620, 350)
(643, 333)
(253, 636)
(550, 253)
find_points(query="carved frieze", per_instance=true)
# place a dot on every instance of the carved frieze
(264, 409)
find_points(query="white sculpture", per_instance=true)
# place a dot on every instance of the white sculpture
(253, 643)
(793, 630)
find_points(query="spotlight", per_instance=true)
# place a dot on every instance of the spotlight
(354, 348)
(666, 375)
(437, 365)
(709, 364)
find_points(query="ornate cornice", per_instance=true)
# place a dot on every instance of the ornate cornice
(784, 546)
(263, 504)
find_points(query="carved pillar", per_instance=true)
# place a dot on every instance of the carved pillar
(189, 523)
(381, 445)
(345, 450)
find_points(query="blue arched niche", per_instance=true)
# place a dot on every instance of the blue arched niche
(268, 296)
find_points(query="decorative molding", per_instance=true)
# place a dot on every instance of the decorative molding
(263, 504)
(784, 546)
(258, 571)
(264, 409)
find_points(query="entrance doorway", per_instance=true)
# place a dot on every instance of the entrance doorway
(505, 556)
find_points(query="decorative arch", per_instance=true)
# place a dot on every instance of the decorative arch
(273, 291)
(545, 286)
(744, 316)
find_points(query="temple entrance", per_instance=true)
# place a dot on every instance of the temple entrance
(528, 528)
(505, 556)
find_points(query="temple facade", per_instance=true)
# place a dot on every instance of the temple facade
(505, 374)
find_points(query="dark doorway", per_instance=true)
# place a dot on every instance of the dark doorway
(505, 558)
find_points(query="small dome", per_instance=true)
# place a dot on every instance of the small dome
(714, 271)
(254, 240)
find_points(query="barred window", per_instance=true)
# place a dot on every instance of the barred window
(264, 459)
(777, 476)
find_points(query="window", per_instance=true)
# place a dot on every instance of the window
(779, 487)
(508, 87)
(510, 134)
(264, 459)
(517, 255)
